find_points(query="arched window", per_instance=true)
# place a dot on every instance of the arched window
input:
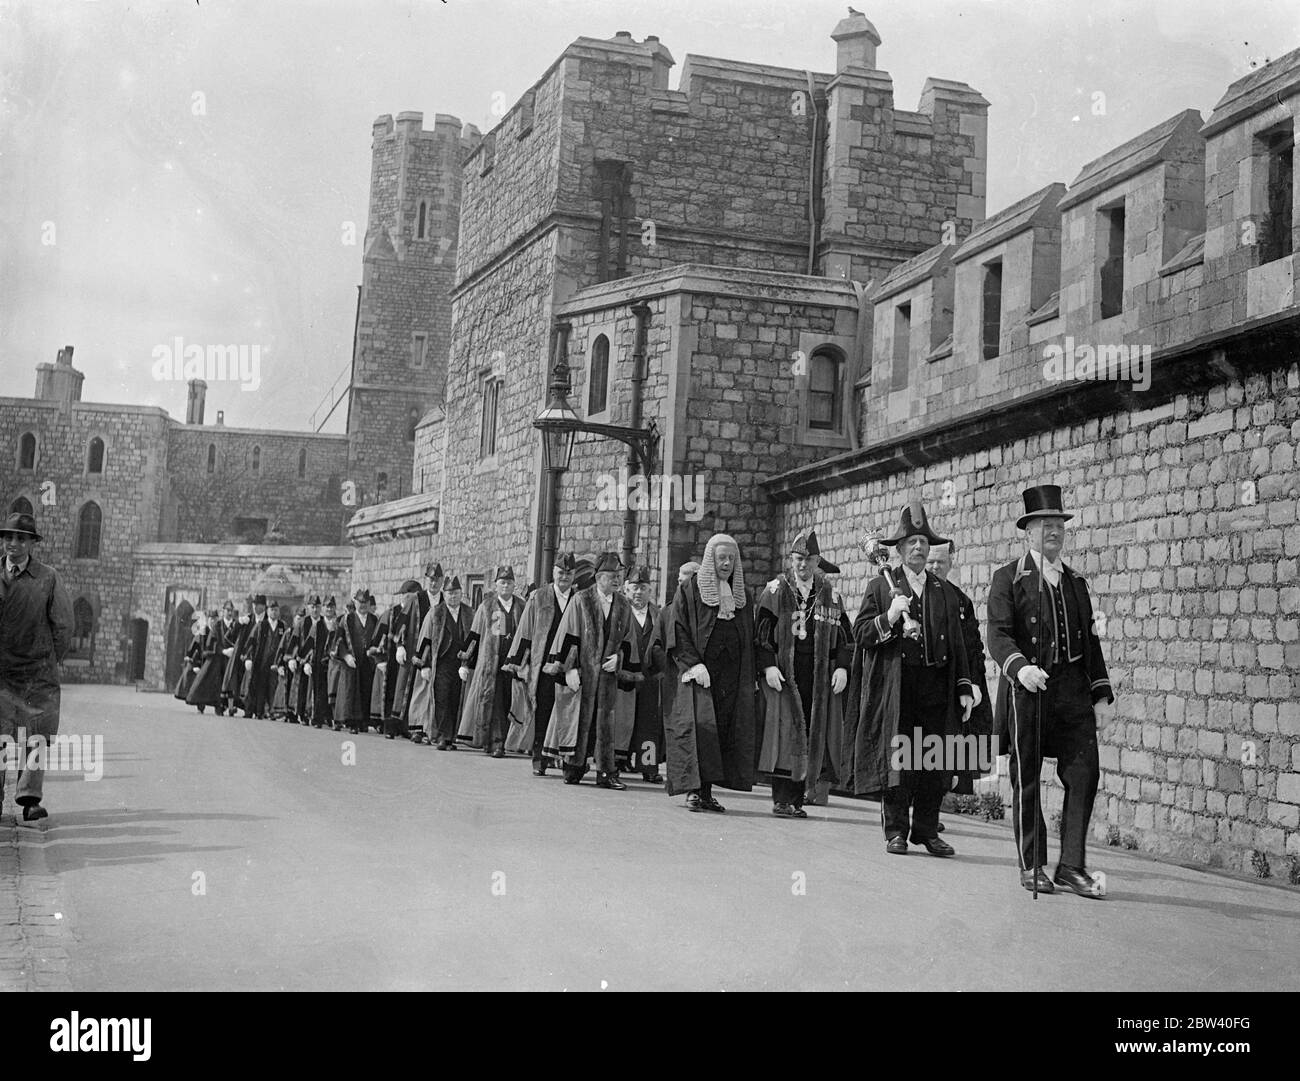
(381, 487)
(302, 462)
(826, 391)
(257, 459)
(95, 456)
(89, 521)
(21, 505)
(331, 493)
(598, 379)
(412, 421)
(83, 629)
(27, 451)
(212, 457)
(422, 220)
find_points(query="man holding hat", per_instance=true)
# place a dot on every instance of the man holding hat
(531, 649)
(710, 733)
(35, 632)
(444, 635)
(1042, 638)
(485, 718)
(804, 650)
(595, 648)
(913, 688)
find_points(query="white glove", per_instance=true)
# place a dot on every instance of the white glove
(229, 651)
(194, 669)
(698, 674)
(306, 668)
(552, 668)
(464, 674)
(966, 703)
(979, 695)
(1032, 678)
(401, 654)
(1105, 713)
(243, 619)
(839, 680)
(774, 678)
(897, 608)
(573, 680)
(248, 666)
(425, 673)
(293, 664)
(611, 662)
(281, 671)
(349, 660)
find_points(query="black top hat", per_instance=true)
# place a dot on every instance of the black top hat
(260, 598)
(913, 523)
(640, 574)
(1042, 501)
(453, 584)
(565, 561)
(805, 543)
(433, 570)
(506, 572)
(20, 523)
(608, 561)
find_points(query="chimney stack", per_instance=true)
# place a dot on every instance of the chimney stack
(855, 43)
(60, 381)
(198, 393)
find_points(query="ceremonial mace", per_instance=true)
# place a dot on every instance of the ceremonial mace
(1038, 722)
(879, 554)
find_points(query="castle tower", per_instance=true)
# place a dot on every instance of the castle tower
(403, 331)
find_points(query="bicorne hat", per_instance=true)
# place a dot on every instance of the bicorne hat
(314, 600)
(1042, 501)
(913, 523)
(608, 561)
(409, 586)
(433, 570)
(453, 584)
(566, 561)
(640, 575)
(506, 572)
(20, 523)
(805, 543)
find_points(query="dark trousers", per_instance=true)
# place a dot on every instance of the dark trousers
(501, 693)
(542, 716)
(446, 701)
(923, 704)
(785, 790)
(1069, 734)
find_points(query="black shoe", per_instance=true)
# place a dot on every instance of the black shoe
(799, 812)
(611, 781)
(1044, 883)
(941, 827)
(710, 804)
(1078, 880)
(451, 745)
(220, 712)
(934, 845)
(783, 810)
(202, 708)
(389, 735)
(897, 846)
(499, 752)
(539, 771)
(34, 811)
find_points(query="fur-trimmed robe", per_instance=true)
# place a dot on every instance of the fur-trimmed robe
(694, 753)
(206, 688)
(793, 746)
(480, 693)
(262, 678)
(348, 640)
(582, 642)
(404, 631)
(532, 648)
(875, 686)
(283, 699)
(638, 716)
(433, 651)
(233, 680)
(312, 651)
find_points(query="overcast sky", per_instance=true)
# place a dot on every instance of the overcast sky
(173, 168)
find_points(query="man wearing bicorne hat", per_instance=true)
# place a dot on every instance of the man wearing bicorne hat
(444, 636)
(530, 651)
(35, 632)
(638, 718)
(284, 702)
(304, 651)
(1042, 638)
(804, 648)
(371, 632)
(489, 695)
(260, 654)
(232, 683)
(315, 665)
(913, 690)
(710, 732)
(400, 668)
(596, 650)
(419, 707)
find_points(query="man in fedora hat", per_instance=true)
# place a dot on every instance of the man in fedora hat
(1042, 638)
(911, 689)
(595, 648)
(531, 649)
(485, 716)
(804, 650)
(35, 632)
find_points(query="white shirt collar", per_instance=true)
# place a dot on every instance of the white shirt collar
(916, 581)
(562, 597)
(506, 605)
(606, 603)
(1052, 568)
(639, 614)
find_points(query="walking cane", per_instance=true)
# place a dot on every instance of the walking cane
(1038, 727)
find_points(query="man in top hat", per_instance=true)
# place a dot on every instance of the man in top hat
(804, 650)
(981, 717)
(485, 716)
(913, 686)
(639, 719)
(710, 732)
(444, 636)
(35, 632)
(233, 681)
(531, 649)
(595, 648)
(262, 676)
(304, 650)
(371, 632)
(1042, 638)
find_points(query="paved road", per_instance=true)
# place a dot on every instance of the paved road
(223, 853)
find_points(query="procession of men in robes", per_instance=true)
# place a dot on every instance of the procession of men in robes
(727, 685)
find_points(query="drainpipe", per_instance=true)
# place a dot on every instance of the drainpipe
(634, 465)
(818, 104)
